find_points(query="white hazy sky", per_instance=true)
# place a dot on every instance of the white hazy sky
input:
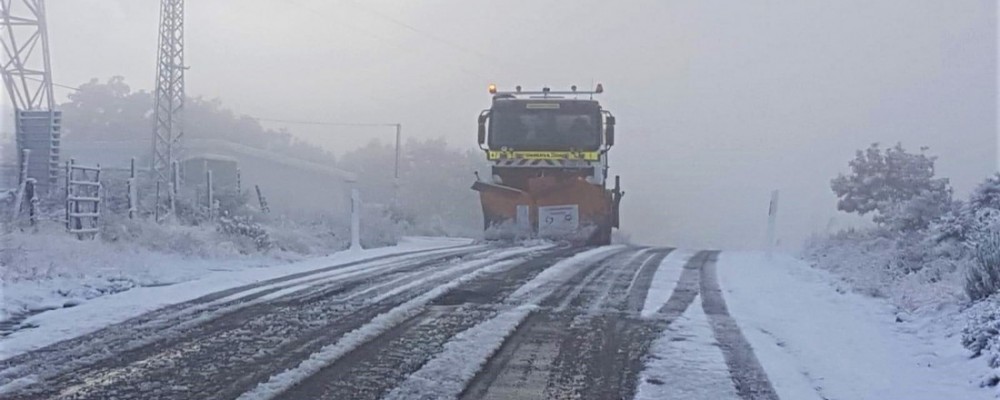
(718, 102)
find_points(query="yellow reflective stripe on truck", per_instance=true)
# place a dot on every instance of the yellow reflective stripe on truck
(544, 155)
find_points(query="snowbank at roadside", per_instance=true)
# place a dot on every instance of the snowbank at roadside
(151, 281)
(817, 340)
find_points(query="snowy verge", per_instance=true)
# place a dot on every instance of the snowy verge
(913, 271)
(816, 341)
(200, 277)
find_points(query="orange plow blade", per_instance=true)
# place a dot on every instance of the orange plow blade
(570, 209)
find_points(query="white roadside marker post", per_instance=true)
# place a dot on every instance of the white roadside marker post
(355, 220)
(772, 216)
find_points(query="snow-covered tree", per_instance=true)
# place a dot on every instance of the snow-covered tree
(897, 186)
(435, 181)
(980, 215)
(112, 111)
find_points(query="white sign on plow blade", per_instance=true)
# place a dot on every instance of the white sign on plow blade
(554, 221)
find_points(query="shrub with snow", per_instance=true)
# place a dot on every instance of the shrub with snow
(983, 278)
(243, 228)
(897, 186)
(981, 334)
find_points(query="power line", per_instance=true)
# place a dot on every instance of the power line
(73, 88)
(316, 12)
(326, 123)
(424, 33)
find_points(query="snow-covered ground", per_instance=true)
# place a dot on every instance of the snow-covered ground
(813, 336)
(176, 279)
(685, 362)
(447, 374)
(816, 340)
(665, 280)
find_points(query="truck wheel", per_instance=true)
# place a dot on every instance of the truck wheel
(601, 237)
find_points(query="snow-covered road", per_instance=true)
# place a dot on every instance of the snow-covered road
(476, 321)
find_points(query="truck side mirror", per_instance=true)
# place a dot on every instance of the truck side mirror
(482, 126)
(609, 131)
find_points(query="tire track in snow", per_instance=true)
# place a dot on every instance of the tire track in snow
(596, 353)
(749, 377)
(518, 358)
(372, 369)
(685, 290)
(675, 277)
(638, 290)
(278, 384)
(176, 319)
(685, 362)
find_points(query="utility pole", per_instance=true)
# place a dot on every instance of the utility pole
(395, 173)
(27, 75)
(168, 124)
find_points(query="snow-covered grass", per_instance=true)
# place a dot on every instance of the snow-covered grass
(945, 268)
(43, 267)
(205, 276)
(52, 270)
(912, 271)
(819, 341)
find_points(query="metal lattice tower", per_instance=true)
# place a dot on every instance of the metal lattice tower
(27, 77)
(26, 71)
(169, 103)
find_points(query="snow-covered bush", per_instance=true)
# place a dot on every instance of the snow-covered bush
(913, 256)
(980, 334)
(379, 227)
(983, 278)
(978, 215)
(922, 211)
(167, 238)
(243, 228)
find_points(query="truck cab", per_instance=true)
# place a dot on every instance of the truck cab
(549, 156)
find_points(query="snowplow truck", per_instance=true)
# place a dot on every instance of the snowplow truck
(548, 152)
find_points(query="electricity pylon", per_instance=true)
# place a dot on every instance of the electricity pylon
(168, 124)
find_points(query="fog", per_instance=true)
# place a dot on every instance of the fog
(718, 103)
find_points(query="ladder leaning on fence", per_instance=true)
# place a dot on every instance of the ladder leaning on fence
(83, 199)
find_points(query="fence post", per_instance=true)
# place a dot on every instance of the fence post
(156, 210)
(32, 201)
(211, 197)
(173, 187)
(69, 192)
(25, 154)
(132, 190)
(99, 193)
(22, 185)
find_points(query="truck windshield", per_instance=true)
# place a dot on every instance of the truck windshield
(545, 129)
